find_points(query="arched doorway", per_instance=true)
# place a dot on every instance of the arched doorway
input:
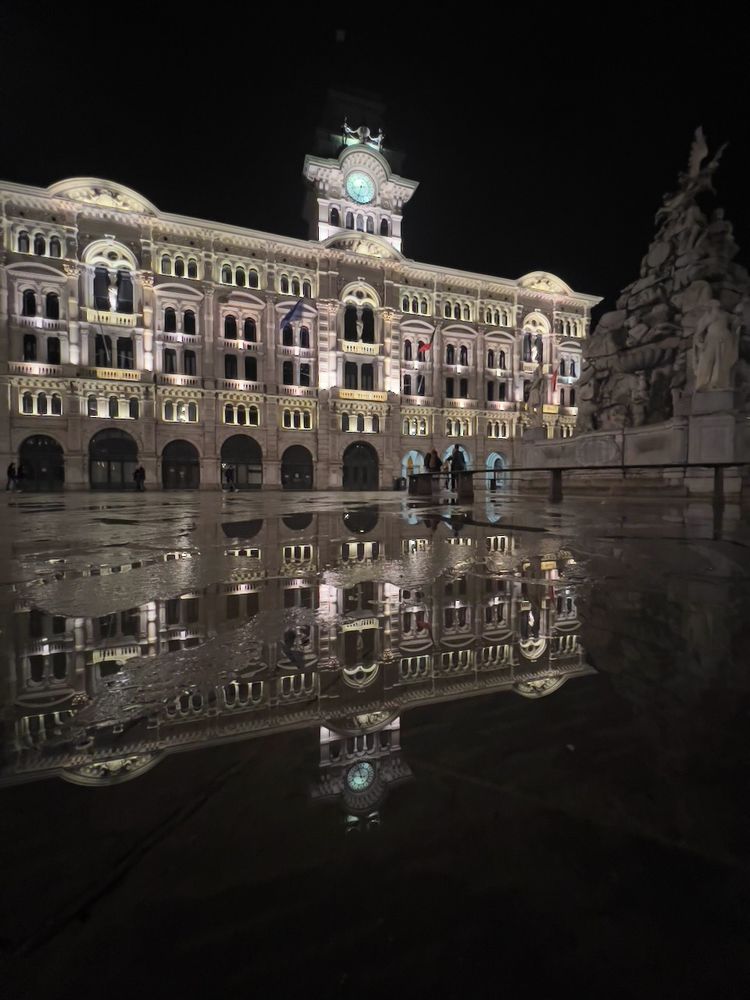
(412, 463)
(242, 454)
(360, 467)
(497, 464)
(113, 458)
(43, 464)
(297, 468)
(180, 466)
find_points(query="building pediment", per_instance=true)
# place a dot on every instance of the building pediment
(543, 281)
(363, 243)
(102, 194)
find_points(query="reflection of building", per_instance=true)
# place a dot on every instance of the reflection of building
(130, 336)
(283, 644)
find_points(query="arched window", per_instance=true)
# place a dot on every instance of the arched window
(239, 277)
(562, 366)
(350, 322)
(192, 411)
(370, 224)
(407, 385)
(251, 368)
(307, 420)
(53, 350)
(170, 361)
(228, 413)
(226, 274)
(375, 424)
(360, 424)
(230, 366)
(368, 325)
(252, 279)
(284, 283)
(368, 377)
(114, 407)
(421, 351)
(40, 245)
(124, 292)
(286, 419)
(501, 391)
(23, 242)
(349, 220)
(304, 337)
(56, 405)
(490, 391)
(93, 406)
(253, 416)
(467, 312)
(572, 397)
(102, 351)
(230, 328)
(179, 267)
(457, 311)
(527, 347)
(463, 355)
(344, 421)
(450, 355)
(170, 320)
(250, 330)
(449, 388)
(41, 403)
(423, 307)
(55, 247)
(29, 303)
(296, 420)
(334, 217)
(306, 290)
(295, 287)
(29, 347)
(52, 305)
(169, 411)
(573, 372)
(405, 304)
(464, 388)
(133, 408)
(288, 373)
(188, 322)
(304, 374)
(447, 310)
(189, 365)
(360, 223)
(449, 428)
(351, 375)
(192, 268)
(415, 305)
(501, 362)
(287, 336)
(407, 350)
(420, 384)
(166, 265)
(27, 403)
(490, 359)
(384, 227)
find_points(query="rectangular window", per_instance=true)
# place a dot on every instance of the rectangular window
(490, 391)
(124, 352)
(501, 391)
(53, 351)
(188, 359)
(464, 388)
(449, 389)
(170, 361)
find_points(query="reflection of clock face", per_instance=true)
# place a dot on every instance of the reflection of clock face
(360, 776)
(360, 187)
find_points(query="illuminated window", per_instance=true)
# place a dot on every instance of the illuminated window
(55, 248)
(166, 265)
(23, 242)
(40, 245)
(192, 268)
(179, 267)
(226, 274)
(239, 277)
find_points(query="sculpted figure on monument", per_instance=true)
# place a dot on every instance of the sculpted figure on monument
(715, 348)
(112, 292)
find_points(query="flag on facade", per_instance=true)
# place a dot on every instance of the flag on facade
(428, 347)
(554, 380)
(296, 310)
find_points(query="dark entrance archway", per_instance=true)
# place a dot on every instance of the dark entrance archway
(180, 466)
(297, 468)
(43, 464)
(113, 457)
(243, 455)
(360, 467)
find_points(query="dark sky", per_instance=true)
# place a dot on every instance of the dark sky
(569, 133)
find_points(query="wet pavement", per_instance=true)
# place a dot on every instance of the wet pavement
(348, 743)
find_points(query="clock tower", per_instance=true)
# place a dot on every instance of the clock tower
(356, 190)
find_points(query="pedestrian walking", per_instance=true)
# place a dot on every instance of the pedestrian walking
(11, 484)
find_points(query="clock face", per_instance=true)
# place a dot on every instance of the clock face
(360, 776)
(360, 187)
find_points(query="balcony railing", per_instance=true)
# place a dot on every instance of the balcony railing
(297, 390)
(33, 368)
(357, 347)
(242, 385)
(42, 323)
(458, 402)
(168, 378)
(107, 318)
(178, 337)
(500, 404)
(297, 352)
(239, 345)
(416, 400)
(111, 374)
(569, 411)
(370, 395)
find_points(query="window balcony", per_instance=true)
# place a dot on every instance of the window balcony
(459, 403)
(500, 372)
(297, 352)
(567, 379)
(178, 337)
(238, 345)
(111, 374)
(297, 390)
(369, 395)
(529, 366)
(357, 347)
(42, 323)
(237, 384)
(169, 378)
(417, 400)
(568, 411)
(500, 404)
(33, 368)
(107, 318)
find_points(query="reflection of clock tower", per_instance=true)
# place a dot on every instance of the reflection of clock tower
(357, 190)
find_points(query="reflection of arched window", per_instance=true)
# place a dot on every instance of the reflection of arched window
(288, 373)
(251, 368)
(252, 279)
(41, 403)
(527, 347)
(360, 423)
(114, 407)
(188, 322)
(501, 363)
(239, 277)
(124, 292)
(253, 415)
(573, 369)
(334, 216)
(56, 408)
(296, 420)
(287, 336)
(407, 350)
(28, 303)
(23, 242)
(250, 330)
(170, 320)
(228, 413)
(370, 224)
(230, 327)
(295, 286)
(457, 311)
(405, 304)
(192, 412)
(349, 220)
(490, 359)
(467, 312)
(284, 284)
(368, 326)
(169, 411)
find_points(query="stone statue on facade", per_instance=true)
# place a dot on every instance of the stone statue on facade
(535, 391)
(362, 135)
(715, 348)
(360, 325)
(112, 292)
(539, 349)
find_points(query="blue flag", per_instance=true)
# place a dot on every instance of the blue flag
(296, 309)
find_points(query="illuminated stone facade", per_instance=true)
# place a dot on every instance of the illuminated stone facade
(130, 337)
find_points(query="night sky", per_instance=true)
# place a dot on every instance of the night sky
(570, 132)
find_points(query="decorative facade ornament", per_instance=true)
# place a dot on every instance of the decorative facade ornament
(107, 198)
(72, 270)
(362, 136)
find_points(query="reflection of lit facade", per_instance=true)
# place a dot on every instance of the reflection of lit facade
(284, 645)
(133, 336)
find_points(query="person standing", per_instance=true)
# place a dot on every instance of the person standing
(458, 464)
(229, 474)
(11, 484)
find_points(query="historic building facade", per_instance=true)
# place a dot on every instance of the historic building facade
(131, 337)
